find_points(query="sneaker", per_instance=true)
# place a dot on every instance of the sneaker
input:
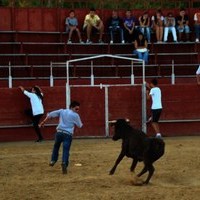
(158, 135)
(111, 41)
(197, 40)
(81, 42)
(69, 42)
(52, 163)
(123, 41)
(89, 41)
(64, 168)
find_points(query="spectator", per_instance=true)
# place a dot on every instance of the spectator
(157, 25)
(197, 25)
(144, 21)
(93, 22)
(129, 27)
(37, 109)
(141, 48)
(115, 25)
(170, 23)
(72, 26)
(183, 24)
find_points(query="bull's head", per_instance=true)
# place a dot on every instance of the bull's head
(120, 127)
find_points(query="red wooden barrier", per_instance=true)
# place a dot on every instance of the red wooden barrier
(179, 102)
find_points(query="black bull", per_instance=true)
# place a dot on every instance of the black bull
(136, 145)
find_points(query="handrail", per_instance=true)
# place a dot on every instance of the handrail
(22, 126)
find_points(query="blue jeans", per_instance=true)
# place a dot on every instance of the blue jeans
(66, 139)
(142, 55)
(147, 32)
(197, 30)
(115, 30)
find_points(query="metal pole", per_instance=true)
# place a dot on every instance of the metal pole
(10, 76)
(143, 72)
(106, 112)
(92, 74)
(173, 74)
(51, 75)
(132, 74)
(67, 86)
(144, 110)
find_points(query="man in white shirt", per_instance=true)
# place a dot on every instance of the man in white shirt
(156, 107)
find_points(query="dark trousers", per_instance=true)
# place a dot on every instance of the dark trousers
(66, 140)
(36, 120)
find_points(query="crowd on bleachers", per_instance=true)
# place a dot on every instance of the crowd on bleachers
(128, 27)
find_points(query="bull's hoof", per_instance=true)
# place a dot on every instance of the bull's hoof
(111, 172)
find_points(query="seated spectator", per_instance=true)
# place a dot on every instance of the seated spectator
(115, 25)
(183, 25)
(129, 27)
(169, 23)
(197, 25)
(93, 22)
(157, 25)
(144, 21)
(71, 26)
(141, 48)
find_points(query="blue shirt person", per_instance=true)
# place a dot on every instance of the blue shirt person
(68, 120)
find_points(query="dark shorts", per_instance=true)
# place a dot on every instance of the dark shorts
(156, 114)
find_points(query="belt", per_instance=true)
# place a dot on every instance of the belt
(62, 131)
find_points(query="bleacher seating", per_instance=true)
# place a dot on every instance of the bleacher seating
(33, 49)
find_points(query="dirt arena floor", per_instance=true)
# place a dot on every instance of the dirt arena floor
(25, 173)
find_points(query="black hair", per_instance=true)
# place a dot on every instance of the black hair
(154, 81)
(38, 92)
(92, 9)
(71, 11)
(74, 104)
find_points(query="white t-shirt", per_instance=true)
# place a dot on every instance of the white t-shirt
(36, 103)
(156, 98)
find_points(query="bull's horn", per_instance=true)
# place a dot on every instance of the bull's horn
(112, 122)
(127, 120)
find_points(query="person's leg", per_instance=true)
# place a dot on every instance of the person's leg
(79, 35)
(111, 34)
(122, 34)
(36, 121)
(196, 28)
(88, 31)
(156, 127)
(56, 147)
(166, 32)
(101, 30)
(173, 30)
(187, 32)
(67, 139)
(155, 118)
(70, 34)
(146, 57)
(148, 32)
(140, 56)
(161, 33)
(180, 34)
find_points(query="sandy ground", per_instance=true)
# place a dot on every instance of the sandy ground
(25, 174)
